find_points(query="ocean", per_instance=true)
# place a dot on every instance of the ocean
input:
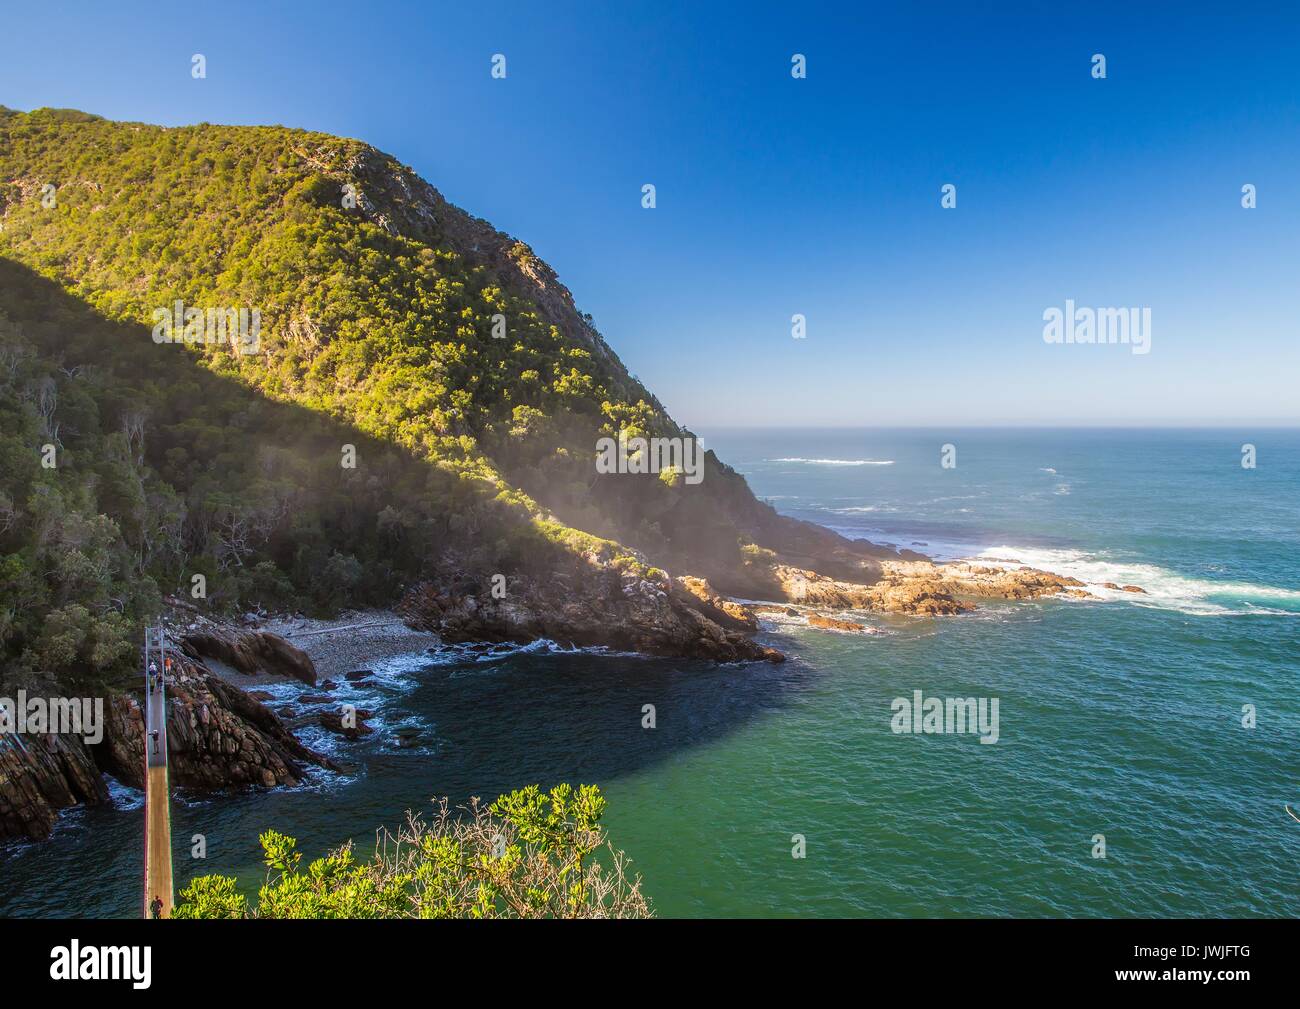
(1146, 746)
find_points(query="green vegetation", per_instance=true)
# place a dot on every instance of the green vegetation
(380, 307)
(530, 854)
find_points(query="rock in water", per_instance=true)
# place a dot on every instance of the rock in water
(333, 721)
(831, 624)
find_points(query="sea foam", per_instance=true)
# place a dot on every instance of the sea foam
(1163, 589)
(835, 462)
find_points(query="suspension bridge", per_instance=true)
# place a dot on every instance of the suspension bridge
(157, 804)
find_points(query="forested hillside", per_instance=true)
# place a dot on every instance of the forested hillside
(444, 353)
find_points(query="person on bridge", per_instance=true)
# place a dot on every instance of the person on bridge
(155, 740)
(155, 907)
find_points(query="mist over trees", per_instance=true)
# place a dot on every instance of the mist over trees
(131, 469)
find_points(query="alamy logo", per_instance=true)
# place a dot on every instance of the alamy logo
(37, 716)
(1098, 325)
(666, 456)
(239, 327)
(102, 963)
(945, 716)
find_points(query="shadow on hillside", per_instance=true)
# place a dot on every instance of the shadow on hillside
(529, 718)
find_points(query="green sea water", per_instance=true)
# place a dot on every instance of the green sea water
(1121, 717)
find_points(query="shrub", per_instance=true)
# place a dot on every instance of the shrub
(530, 854)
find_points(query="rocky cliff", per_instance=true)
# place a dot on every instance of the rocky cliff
(40, 775)
(627, 612)
(218, 737)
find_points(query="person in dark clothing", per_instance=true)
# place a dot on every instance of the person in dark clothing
(155, 740)
(155, 907)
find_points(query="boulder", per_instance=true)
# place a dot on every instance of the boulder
(831, 624)
(333, 721)
(250, 651)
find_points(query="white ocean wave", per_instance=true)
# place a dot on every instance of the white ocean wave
(1163, 589)
(124, 796)
(835, 462)
(475, 654)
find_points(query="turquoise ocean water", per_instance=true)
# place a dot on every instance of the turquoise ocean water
(1121, 717)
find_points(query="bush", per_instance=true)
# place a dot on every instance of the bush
(527, 855)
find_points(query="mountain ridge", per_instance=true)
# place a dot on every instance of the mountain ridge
(409, 413)
(381, 306)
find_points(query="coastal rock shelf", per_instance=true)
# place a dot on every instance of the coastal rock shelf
(922, 587)
(624, 612)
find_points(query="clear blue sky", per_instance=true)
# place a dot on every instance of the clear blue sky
(816, 196)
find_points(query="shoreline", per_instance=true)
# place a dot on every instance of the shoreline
(353, 640)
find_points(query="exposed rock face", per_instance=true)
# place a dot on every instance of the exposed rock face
(831, 624)
(250, 651)
(40, 775)
(890, 594)
(728, 614)
(624, 612)
(218, 737)
(920, 587)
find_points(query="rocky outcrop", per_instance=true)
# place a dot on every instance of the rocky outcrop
(731, 615)
(249, 651)
(921, 587)
(218, 737)
(627, 612)
(889, 594)
(41, 775)
(832, 624)
(351, 729)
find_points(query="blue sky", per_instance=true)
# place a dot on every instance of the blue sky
(820, 196)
